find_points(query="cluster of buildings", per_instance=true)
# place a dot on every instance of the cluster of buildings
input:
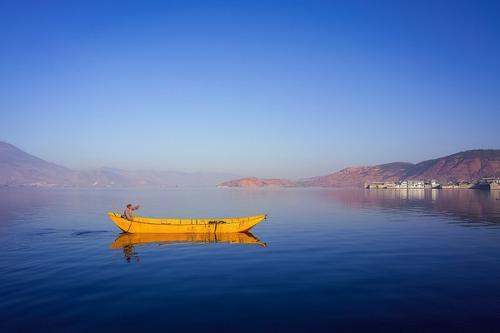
(405, 184)
(483, 184)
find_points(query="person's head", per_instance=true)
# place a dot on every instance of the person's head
(129, 206)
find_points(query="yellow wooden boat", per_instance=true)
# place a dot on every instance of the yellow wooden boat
(128, 239)
(147, 225)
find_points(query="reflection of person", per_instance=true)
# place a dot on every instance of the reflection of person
(128, 213)
(129, 253)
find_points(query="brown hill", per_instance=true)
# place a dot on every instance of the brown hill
(464, 166)
(357, 176)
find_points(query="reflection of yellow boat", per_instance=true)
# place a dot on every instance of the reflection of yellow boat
(127, 239)
(175, 225)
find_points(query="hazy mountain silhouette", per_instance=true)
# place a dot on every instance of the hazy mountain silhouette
(18, 168)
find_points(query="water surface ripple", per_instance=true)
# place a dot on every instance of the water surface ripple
(325, 260)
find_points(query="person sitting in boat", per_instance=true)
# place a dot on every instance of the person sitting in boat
(129, 212)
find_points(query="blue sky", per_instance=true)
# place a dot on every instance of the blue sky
(284, 88)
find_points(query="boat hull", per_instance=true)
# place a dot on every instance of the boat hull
(145, 225)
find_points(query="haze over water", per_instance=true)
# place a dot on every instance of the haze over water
(336, 260)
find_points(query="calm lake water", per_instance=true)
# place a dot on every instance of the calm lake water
(336, 260)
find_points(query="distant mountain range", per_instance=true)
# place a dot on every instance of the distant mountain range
(464, 166)
(18, 168)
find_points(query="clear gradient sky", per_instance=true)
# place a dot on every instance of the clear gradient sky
(284, 88)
